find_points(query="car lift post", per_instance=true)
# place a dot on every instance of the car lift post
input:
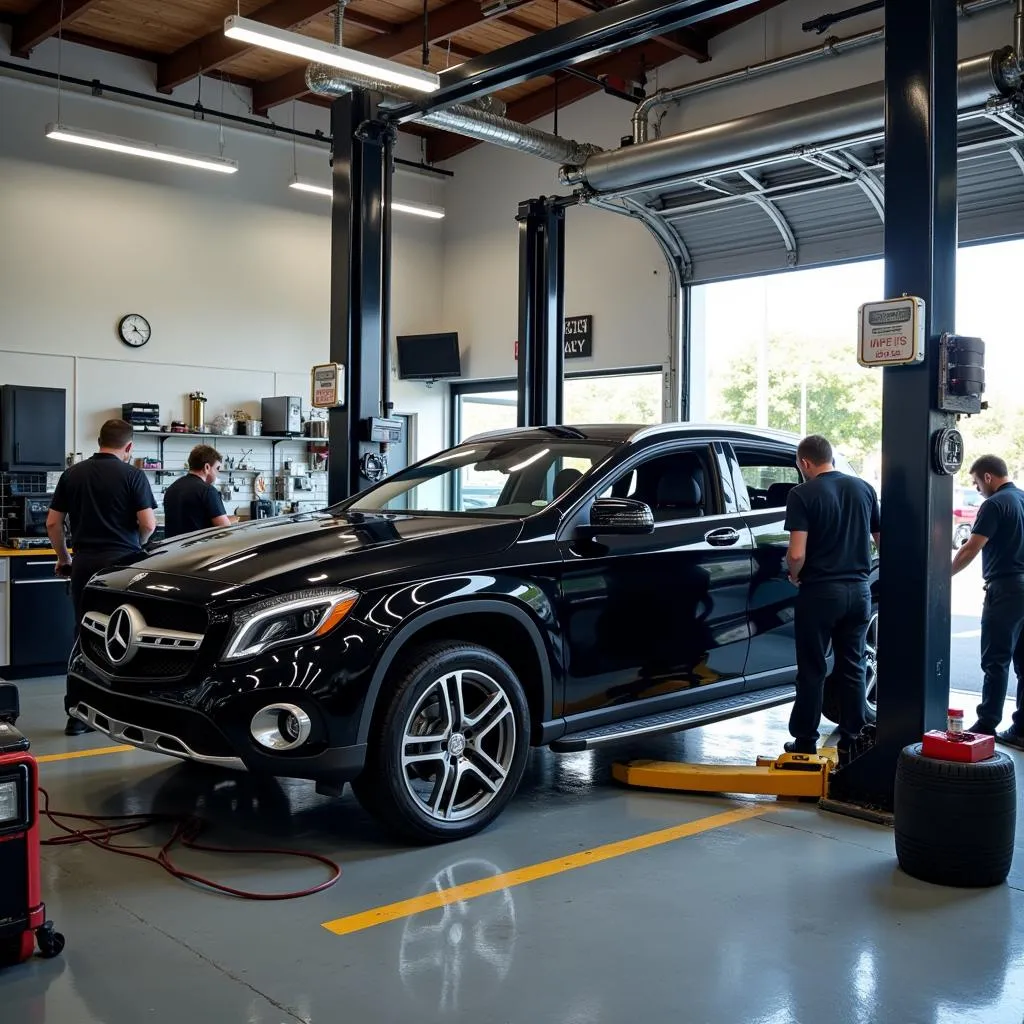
(361, 158)
(541, 301)
(914, 599)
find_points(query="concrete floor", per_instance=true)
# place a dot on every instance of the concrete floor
(792, 916)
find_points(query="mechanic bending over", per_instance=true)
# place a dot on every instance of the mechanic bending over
(831, 520)
(999, 536)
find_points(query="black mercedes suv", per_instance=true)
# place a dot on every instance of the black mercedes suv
(559, 586)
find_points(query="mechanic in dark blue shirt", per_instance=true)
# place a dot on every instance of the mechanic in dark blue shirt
(831, 520)
(999, 536)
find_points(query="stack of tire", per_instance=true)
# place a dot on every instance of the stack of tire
(955, 822)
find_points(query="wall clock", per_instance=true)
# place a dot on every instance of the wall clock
(134, 330)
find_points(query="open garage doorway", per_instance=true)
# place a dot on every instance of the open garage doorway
(780, 351)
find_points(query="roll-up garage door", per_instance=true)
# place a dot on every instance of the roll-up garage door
(825, 205)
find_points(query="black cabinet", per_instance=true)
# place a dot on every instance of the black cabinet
(41, 619)
(32, 429)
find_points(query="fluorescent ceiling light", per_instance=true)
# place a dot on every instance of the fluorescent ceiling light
(258, 34)
(420, 209)
(150, 150)
(397, 205)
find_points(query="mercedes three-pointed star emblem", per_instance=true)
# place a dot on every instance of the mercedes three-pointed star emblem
(119, 640)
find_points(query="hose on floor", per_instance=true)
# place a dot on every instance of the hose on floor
(185, 832)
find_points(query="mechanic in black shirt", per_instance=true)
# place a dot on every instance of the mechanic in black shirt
(831, 520)
(999, 535)
(192, 503)
(110, 507)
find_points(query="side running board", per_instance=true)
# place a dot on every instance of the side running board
(682, 718)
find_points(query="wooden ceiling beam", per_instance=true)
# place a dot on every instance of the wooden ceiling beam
(215, 50)
(445, 21)
(43, 21)
(538, 104)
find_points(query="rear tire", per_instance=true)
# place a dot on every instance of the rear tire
(954, 822)
(448, 752)
(831, 703)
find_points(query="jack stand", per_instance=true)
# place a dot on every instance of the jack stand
(789, 775)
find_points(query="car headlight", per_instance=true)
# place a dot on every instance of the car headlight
(303, 615)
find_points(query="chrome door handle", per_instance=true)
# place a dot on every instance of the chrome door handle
(722, 538)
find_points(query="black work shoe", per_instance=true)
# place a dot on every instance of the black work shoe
(77, 728)
(800, 747)
(1011, 738)
(982, 730)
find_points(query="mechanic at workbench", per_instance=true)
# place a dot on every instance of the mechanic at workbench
(831, 519)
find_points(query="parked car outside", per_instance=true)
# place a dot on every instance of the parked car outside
(966, 502)
(416, 641)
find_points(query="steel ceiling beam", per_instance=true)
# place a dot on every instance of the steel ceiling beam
(573, 43)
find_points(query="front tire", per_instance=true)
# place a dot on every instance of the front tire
(449, 751)
(831, 702)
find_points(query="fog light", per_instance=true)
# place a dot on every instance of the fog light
(281, 727)
(9, 809)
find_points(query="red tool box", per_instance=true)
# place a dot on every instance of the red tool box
(23, 923)
(973, 747)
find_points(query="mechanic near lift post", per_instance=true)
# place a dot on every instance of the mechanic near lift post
(192, 503)
(831, 519)
(111, 510)
(999, 535)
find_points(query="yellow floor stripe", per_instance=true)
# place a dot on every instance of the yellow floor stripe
(93, 752)
(435, 900)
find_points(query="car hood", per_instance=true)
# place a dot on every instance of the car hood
(322, 549)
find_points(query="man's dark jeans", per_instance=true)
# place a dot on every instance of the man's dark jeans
(839, 612)
(1002, 641)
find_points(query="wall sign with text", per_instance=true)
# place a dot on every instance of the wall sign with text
(578, 337)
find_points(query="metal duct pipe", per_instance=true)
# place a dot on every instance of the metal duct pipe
(481, 119)
(832, 47)
(823, 119)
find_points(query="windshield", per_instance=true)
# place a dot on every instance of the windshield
(506, 477)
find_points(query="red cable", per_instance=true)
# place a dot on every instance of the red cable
(186, 832)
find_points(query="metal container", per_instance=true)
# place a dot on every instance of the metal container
(317, 428)
(252, 428)
(197, 411)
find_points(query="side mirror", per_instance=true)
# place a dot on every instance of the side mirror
(619, 517)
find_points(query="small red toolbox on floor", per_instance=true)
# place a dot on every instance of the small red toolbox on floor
(23, 922)
(973, 747)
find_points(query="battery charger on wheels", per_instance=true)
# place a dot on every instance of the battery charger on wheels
(23, 924)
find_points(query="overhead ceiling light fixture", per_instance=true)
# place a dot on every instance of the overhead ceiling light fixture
(397, 205)
(133, 147)
(258, 34)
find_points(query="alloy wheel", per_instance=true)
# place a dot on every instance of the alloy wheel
(871, 666)
(458, 745)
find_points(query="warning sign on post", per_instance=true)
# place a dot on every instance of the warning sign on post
(892, 332)
(328, 386)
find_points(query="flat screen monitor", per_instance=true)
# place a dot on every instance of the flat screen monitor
(428, 356)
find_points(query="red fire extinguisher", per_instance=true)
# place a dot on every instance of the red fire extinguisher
(23, 924)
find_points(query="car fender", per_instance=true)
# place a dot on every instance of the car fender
(400, 638)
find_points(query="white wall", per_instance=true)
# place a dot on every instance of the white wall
(614, 268)
(232, 271)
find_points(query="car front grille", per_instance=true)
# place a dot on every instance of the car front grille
(133, 637)
(145, 665)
